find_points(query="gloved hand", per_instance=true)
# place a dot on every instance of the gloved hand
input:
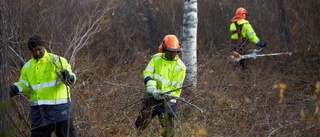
(66, 77)
(13, 90)
(157, 95)
(65, 74)
(261, 43)
(152, 89)
(151, 86)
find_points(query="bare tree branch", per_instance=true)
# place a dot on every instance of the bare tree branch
(85, 31)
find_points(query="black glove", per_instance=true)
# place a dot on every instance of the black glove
(261, 43)
(13, 90)
(65, 74)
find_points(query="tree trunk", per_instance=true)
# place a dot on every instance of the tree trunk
(285, 35)
(189, 42)
(4, 94)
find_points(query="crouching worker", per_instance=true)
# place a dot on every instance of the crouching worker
(165, 72)
(47, 77)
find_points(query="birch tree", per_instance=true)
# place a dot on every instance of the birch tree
(189, 41)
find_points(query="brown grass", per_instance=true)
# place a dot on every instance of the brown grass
(235, 103)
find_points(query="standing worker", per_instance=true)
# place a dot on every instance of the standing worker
(241, 33)
(165, 72)
(47, 77)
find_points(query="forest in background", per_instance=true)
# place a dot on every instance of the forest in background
(110, 42)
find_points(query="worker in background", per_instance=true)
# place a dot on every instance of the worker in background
(165, 72)
(242, 33)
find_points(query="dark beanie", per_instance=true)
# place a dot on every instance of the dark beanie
(35, 41)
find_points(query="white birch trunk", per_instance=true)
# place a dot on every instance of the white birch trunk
(189, 41)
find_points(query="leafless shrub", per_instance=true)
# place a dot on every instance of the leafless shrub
(110, 43)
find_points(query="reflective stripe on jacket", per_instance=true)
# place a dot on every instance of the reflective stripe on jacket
(246, 31)
(41, 78)
(169, 74)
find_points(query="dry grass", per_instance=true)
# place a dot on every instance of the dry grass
(235, 104)
(277, 96)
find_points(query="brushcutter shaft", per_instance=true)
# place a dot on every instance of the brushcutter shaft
(254, 55)
(274, 54)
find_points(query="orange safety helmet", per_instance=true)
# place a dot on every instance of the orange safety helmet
(241, 13)
(170, 42)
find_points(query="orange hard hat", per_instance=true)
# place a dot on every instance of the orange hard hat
(241, 13)
(171, 43)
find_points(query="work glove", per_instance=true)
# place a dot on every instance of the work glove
(151, 86)
(152, 90)
(261, 44)
(13, 90)
(66, 78)
(158, 95)
(65, 74)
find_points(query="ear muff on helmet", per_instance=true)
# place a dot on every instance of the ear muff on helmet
(244, 16)
(180, 51)
(160, 49)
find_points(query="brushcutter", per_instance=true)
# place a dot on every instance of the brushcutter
(235, 56)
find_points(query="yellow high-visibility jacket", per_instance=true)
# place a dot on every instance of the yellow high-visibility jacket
(42, 79)
(168, 74)
(247, 31)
